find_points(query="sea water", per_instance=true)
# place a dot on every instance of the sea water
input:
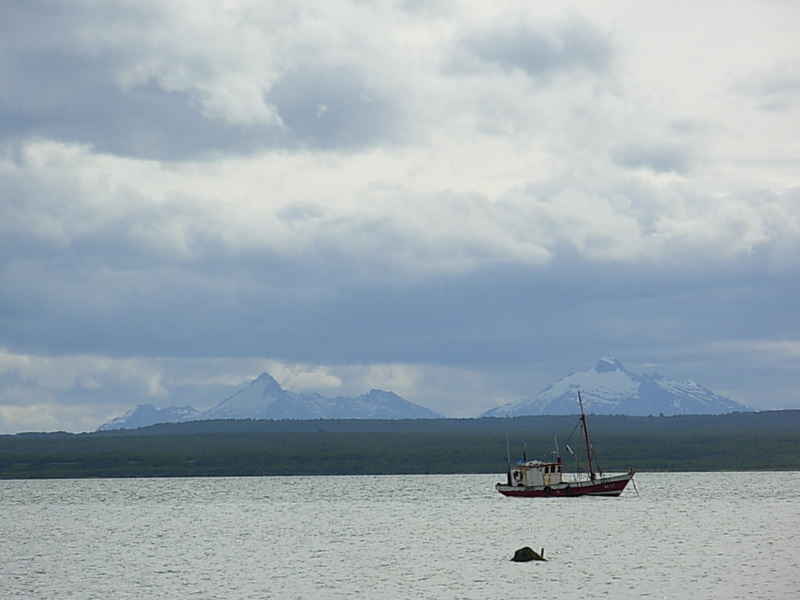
(683, 535)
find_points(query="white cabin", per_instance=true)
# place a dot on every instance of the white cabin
(534, 473)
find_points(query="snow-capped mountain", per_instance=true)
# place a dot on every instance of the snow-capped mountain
(146, 414)
(609, 388)
(264, 398)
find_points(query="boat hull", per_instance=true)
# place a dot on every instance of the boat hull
(603, 486)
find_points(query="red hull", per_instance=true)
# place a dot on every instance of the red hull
(606, 486)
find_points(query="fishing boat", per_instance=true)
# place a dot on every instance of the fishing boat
(537, 479)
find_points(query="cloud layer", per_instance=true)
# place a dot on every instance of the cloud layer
(457, 203)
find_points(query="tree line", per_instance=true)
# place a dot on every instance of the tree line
(737, 442)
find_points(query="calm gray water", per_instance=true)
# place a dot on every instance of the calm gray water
(696, 535)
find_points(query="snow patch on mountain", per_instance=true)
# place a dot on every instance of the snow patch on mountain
(146, 414)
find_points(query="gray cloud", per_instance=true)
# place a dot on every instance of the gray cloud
(329, 303)
(543, 51)
(331, 107)
(119, 97)
(63, 81)
(777, 90)
(660, 158)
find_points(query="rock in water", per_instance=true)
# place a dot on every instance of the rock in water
(527, 554)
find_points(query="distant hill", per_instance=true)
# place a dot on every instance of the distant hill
(609, 388)
(264, 398)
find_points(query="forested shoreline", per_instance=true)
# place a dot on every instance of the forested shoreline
(735, 442)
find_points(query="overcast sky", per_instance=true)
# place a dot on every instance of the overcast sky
(460, 202)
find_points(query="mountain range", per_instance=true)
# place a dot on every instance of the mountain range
(609, 388)
(264, 398)
(606, 388)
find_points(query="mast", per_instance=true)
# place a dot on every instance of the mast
(586, 436)
(508, 454)
(508, 447)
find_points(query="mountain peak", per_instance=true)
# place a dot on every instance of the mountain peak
(604, 365)
(266, 382)
(609, 388)
(264, 398)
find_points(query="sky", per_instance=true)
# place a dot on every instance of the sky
(459, 202)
